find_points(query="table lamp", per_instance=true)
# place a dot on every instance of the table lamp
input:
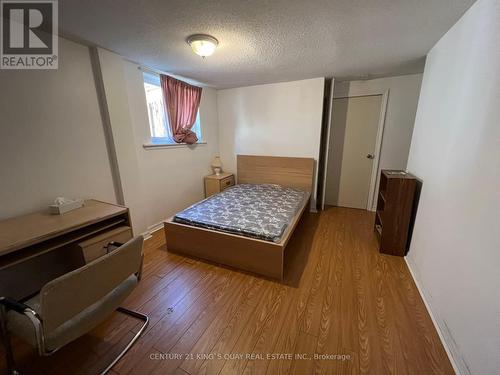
(217, 165)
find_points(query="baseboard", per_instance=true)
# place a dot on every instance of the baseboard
(151, 229)
(444, 337)
(155, 227)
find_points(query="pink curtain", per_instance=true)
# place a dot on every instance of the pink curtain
(182, 101)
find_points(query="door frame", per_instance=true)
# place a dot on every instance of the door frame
(372, 204)
(327, 143)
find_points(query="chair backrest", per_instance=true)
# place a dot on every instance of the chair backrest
(63, 298)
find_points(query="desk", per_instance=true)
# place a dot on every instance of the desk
(39, 247)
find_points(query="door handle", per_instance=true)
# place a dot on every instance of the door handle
(370, 156)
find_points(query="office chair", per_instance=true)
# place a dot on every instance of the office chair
(73, 304)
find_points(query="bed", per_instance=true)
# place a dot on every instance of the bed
(249, 225)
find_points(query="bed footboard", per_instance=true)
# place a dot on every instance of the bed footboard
(249, 254)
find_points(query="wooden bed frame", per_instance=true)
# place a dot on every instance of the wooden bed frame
(249, 254)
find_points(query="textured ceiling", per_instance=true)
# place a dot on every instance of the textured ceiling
(267, 41)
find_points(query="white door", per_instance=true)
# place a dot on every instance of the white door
(355, 124)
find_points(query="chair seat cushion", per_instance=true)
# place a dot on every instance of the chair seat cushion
(77, 326)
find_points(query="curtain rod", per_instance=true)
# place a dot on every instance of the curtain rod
(156, 71)
(146, 69)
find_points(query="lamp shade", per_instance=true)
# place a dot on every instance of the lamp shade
(216, 163)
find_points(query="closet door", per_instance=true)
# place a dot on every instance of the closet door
(355, 124)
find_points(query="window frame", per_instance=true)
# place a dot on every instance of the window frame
(163, 142)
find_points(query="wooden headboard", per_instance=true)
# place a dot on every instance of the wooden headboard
(287, 171)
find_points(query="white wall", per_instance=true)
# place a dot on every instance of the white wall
(51, 135)
(171, 178)
(157, 182)
(399, 120)
(53, 140)
(455, 149)
(119, 120)
(281, 119)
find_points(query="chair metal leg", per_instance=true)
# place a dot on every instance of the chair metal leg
(9, 356)
(136, 315)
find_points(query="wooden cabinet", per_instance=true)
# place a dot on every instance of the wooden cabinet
(216, 183)
(395, 211)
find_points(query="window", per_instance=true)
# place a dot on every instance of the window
(158, 119)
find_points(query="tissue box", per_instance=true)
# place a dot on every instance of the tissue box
(59, 209)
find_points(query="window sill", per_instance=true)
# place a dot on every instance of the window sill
(155, 146)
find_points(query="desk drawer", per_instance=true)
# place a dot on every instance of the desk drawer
(226, 182)
(95, 247)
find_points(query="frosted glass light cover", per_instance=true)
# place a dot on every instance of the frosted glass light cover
(203, 45)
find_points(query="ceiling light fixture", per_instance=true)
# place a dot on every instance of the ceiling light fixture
(203, 45)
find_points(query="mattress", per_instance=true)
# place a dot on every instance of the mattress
(260, 211)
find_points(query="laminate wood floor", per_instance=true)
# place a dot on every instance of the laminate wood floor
(343, 308)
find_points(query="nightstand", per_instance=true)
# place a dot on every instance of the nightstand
(215, 184)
